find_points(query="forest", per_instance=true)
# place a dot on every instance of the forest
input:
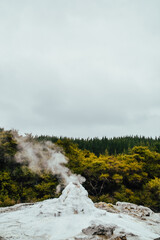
(113, 146)
(117, 169)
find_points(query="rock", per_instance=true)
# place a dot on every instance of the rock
(133, 209)
(121, 237)
(125, 207)
(157, 238)
(87, 238)
(102, 230)
(107, 206)
(102, 237)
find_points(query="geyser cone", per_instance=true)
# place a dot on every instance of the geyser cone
(75, 199)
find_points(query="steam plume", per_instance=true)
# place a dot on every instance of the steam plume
(44, 156)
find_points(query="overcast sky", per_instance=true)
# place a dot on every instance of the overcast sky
(80, 68)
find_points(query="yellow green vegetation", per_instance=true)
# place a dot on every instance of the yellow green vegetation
(132, 177)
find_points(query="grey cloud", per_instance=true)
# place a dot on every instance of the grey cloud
(80, 68)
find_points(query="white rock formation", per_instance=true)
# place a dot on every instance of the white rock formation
(74, 216)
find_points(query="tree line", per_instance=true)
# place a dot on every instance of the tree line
(112, 146)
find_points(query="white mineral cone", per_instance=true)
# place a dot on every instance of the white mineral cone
(74, 199)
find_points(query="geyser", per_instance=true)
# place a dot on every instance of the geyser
(74, 200)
